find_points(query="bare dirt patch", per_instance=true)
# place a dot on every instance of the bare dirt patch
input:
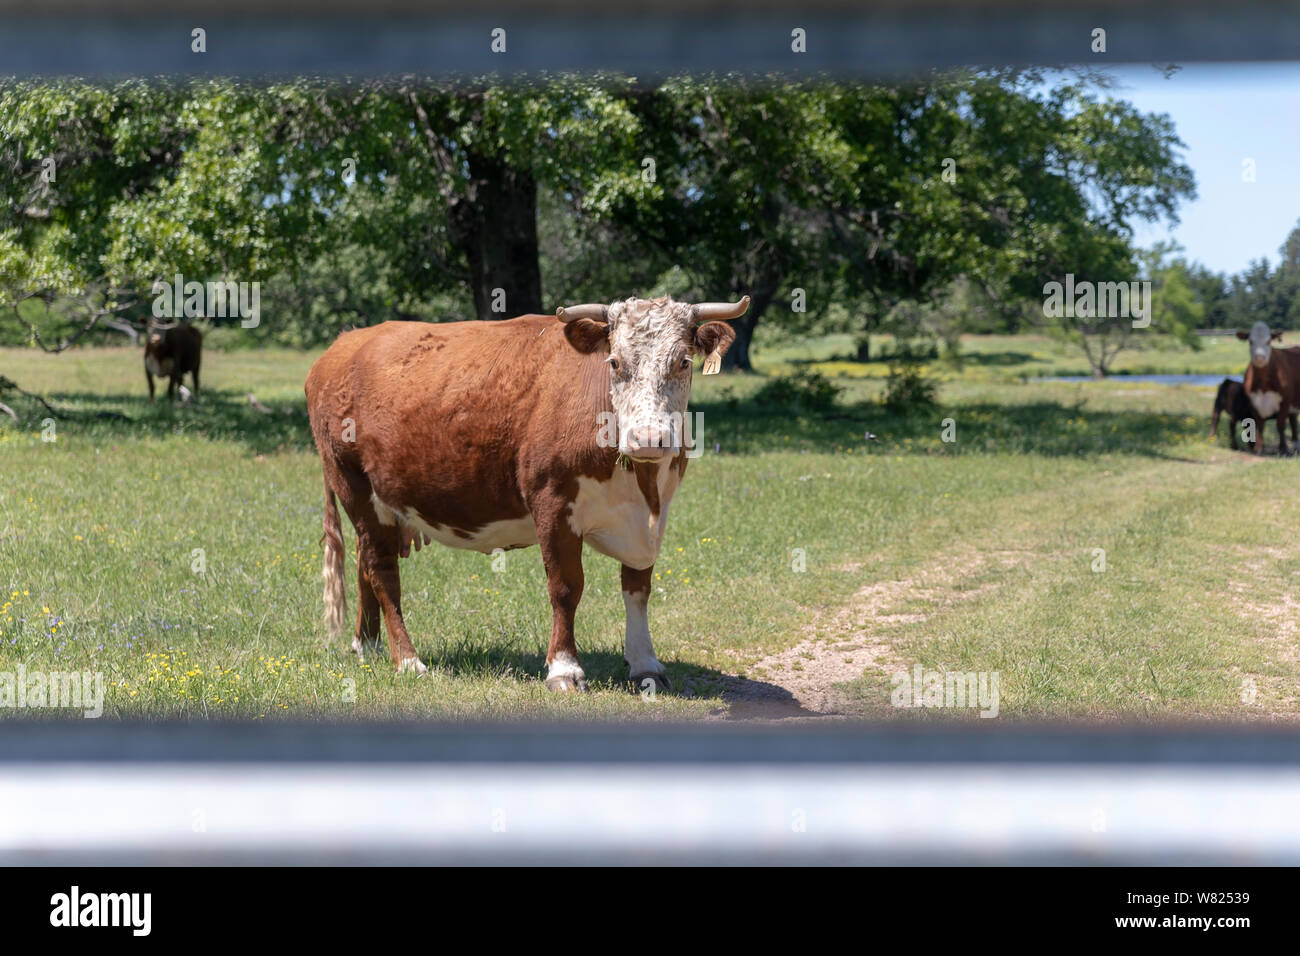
(842, 643)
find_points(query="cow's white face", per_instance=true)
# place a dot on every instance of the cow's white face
(649, 345)
(1261, 344)
(651, 342)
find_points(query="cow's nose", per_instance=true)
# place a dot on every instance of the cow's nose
(649, 442)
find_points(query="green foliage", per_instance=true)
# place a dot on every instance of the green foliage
(908, 389)
(804, 390)
(359, 203)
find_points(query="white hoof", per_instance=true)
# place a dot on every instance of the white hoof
(412, 664)
(363, 649)
(565, 674)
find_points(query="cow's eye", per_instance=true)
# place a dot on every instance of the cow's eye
(614, 363)
(686, 362)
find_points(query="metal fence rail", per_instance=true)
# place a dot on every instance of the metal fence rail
(146, 37)
(843, 793)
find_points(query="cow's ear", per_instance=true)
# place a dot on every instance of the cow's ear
(1274, 336)
(1242, 335)
(586, 335)
(713, 339)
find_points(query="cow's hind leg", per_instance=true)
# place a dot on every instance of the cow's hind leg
(638, 649)
(562, 556)
(378, 550)
(366, 639)
(1281, 434)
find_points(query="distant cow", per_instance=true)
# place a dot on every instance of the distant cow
(1272, 381)
(170, 354)
(1232, 399)
(487, 435)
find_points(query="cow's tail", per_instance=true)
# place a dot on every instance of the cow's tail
(336, 597)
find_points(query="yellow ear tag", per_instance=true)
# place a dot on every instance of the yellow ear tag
(712, 363)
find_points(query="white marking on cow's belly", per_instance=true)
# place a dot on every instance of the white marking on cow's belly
(505, 534)
(614, 518)
(156, 369)
(1266, 403)
(382, 511)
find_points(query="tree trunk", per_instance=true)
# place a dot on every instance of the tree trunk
(737, 358)
(495, 224)
(864, 349)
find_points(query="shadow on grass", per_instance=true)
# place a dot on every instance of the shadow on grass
(481, 657)
(996, 358)
(217, 415)
(732, 426)
(1035, 428)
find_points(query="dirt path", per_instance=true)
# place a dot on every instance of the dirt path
(842, 642)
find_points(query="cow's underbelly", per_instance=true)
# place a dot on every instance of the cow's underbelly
(158, 369)
(506, 534)
(615, 519)
(1266, 403)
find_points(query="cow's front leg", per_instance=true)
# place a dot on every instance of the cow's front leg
(149, 378)
(638, 649)
(562, 556)
(1282, 416)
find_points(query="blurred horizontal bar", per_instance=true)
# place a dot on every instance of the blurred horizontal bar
(660, 813)
(103, 793)
(825, 742)
(389, 37)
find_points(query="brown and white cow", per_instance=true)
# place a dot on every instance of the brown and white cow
(1272, 381)
(1231, 398)
(486, 435)
(172, 353)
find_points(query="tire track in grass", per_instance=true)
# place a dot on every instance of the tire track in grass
(1021, 536)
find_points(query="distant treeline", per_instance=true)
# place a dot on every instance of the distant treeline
(926, 208)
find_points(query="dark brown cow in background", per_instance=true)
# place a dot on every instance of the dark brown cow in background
(486, 435)
(172, 353)
(1272, 381)
(1231, 398)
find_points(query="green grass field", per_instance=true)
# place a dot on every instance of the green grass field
(972, 555)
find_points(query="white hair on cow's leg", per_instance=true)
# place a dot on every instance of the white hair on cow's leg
(412, 665)
(565, 667)
(638, 649)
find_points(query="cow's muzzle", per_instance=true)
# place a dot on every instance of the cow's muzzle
(651, 443)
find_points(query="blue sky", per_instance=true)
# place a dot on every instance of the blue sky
(1226, 113)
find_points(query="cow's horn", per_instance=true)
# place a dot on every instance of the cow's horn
(571, 313)
(708, 311)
